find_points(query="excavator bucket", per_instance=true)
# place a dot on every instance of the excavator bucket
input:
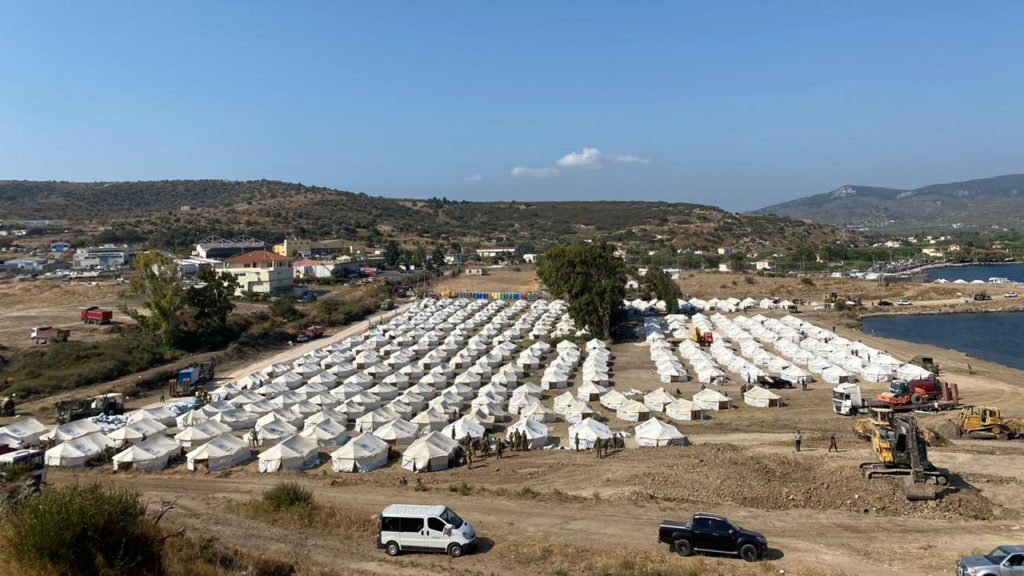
(916, 490)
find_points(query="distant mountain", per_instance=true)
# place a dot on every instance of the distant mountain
(176, 213)
(984, 202)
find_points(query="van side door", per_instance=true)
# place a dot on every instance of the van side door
(438, 533)
(413, 534)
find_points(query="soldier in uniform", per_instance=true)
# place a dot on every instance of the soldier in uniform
(577, 442)
(597, 447)
(499, 447)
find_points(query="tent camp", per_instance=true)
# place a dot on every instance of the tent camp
(363, 453)
(683, 409)
(77, 452)
(220, 453)
(761, 398)
(137, 431)
(296, 452)
(613, 399)
(27, 430)
(708, 399)
(430, 453)
(151, 454)
(586, 433)
(654, 432)
(536, 433)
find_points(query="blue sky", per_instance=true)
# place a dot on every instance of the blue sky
(736, 104)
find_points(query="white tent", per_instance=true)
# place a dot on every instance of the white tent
(537, 411)
(161, 414)
(27, 430)
(632, 411)
(200, 433)
(326, 433)
(586, 432)
(363, 453)
(71, 430)
(430, 453)
(430, 419)
(152, 454)
(654, 432)
(613, 399)
(759, 397)
(137, 431)
(875, 373)
(563, 401)
(912, 372)
(293, 453)
(398, 432)
(683, 409)
(536, 433)
(708, 399)
(590, 391)
(220, 453)
(77, 452)
(835, 375)
(10, 441)
(658, 399)
(463, 427)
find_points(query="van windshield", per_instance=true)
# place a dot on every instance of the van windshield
(452, 518)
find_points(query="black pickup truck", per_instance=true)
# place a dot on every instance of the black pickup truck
(716, 534)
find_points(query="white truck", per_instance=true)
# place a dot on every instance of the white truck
(847, 399)
(411, 527)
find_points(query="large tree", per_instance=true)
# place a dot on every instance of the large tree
(161, 290)
(181, 314)
(590, 278)
(656, 281)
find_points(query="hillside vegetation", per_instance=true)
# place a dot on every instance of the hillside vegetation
(155, 213)
(997, 201)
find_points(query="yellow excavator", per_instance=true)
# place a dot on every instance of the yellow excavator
(902, 451)
(988, 420)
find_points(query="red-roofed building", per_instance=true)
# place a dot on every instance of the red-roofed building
(260, 272)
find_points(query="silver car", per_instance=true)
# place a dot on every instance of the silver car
(1003, 561)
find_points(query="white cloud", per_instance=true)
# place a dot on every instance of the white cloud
(630, 159)
(474, 178)
(524, 172)
(589, 157)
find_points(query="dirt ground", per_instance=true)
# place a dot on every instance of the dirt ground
(521, 278)
(25, 305)
(562, 512)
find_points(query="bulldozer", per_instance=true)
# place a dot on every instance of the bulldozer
(987, 420)
(902, 451)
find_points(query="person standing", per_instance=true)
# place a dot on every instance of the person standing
(797, 439)
(597, 448)
(499, 448)
(577, 442)
(832, 446)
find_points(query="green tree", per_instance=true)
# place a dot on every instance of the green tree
(159, 285)
(419, 255)
(204, 317)
(392, 253)
(590, 278)
(437, 258)
(663, 288)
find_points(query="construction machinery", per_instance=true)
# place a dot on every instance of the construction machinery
(7, 406)
(105, 404)
(188, 379)
(987, 420)
(96, 315)
(44, 334)
(902, 451)
(926, 362)
(918, 393)
(310, 333)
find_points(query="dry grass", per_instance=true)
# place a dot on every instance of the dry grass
(496, 280)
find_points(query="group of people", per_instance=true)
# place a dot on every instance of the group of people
(603, 446)
(798, 439)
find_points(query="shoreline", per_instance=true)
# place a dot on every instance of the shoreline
(940, 265)
(922, 311)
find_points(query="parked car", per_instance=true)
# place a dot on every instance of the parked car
(774, 382)
(1003, 561)
(903, 303)
(884, 303)
(408, 527)
(715, 534)
(1010, 295)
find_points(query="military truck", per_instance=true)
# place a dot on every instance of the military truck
(106, 404)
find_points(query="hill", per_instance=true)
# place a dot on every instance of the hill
(984, 202)
(175, 214)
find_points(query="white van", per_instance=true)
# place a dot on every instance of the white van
(410, 527)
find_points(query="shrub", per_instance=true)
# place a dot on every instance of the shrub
(462, 489)
(288, 496)
(84, 531)
(807, 281)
